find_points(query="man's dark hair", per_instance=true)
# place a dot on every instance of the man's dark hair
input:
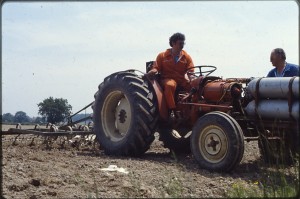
(175, 37)
(280, 52)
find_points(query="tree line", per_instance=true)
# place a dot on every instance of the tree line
(53, 110)
(21, 117)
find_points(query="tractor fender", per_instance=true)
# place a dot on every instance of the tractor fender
(162, 105)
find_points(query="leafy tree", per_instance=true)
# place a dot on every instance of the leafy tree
(21, 117)
(39, 120)
(55, 110)
(7, 117)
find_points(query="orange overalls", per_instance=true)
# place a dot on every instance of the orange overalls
(172, 73)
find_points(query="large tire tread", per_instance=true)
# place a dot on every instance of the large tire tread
(145, 117)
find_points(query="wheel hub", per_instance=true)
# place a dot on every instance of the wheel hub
(213, 145)
(122, 116)
(116, 114)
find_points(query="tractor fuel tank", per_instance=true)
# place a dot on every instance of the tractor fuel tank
(215, 91)
(273, 109)
(271, 87)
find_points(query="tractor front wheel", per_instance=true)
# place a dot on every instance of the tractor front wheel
(217, 142)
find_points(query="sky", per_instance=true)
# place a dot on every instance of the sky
(66, 49)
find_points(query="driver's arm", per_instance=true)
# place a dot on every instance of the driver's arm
(156, 66)
(158, 63)
(190, 67)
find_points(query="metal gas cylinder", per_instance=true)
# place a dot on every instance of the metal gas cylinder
(273, 109)
(271, 87)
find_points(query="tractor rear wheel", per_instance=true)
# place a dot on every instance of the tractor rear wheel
(217, 142)
(125, 114)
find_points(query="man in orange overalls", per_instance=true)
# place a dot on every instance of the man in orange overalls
(173, 64)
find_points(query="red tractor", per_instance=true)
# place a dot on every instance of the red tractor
(212, 120)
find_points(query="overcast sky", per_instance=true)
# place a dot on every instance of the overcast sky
(65, 49)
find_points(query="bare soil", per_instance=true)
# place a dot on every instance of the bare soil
(62, 171)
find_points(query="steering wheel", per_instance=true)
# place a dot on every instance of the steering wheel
(203, 69)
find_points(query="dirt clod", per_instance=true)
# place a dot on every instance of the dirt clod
(33, 197)
(35, 182)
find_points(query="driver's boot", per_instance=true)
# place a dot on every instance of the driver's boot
(178, 116)
(172, 116)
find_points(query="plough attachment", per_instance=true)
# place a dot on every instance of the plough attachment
(71, 133)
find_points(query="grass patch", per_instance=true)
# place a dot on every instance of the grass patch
(275, 182)
(174, 187)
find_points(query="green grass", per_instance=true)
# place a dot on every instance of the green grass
(263, 190)
(174, 187)
(243, 190)
(275, 182)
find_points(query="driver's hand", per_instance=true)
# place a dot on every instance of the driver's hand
(150, 74)
(187, 78)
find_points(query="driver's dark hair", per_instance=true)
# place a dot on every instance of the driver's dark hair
(175, 37)
(280, 52)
